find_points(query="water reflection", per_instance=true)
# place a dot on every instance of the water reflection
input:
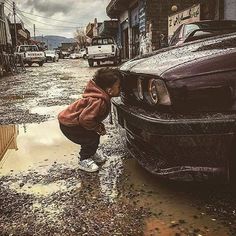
(8, 135)
(38, 147)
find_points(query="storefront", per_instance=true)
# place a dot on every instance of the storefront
(134, 18)
(124, 27)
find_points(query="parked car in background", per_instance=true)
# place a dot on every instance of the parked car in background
(51, 55)
(74, 55)
(65, 54)
(82, 53)
(31, 54)
(178, 109)
(202, 29)
(103, 49)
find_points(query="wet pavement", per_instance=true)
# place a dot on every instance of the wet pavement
(42, 191)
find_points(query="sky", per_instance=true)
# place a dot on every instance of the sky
(58, 17)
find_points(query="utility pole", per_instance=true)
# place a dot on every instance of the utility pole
(34, 33)
(14, 14)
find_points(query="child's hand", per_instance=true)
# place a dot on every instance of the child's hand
(101, 130)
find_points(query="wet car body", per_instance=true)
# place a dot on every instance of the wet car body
(189, 133)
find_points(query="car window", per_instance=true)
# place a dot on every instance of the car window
(175, 38)
(103, 41)
(28, 49)
(190, 28)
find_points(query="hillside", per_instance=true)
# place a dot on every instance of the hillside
(54, 41)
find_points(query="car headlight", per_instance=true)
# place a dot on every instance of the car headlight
(138, 91)
(151, 94)
(157, 93)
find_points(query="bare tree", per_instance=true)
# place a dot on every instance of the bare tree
(81, 38)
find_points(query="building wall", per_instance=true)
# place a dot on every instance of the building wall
(153, 20)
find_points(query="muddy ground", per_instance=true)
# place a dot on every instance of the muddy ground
(43, 193)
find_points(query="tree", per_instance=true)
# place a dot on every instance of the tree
(81, 38)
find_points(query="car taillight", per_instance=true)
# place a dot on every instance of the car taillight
(113, 48)
(157, 93)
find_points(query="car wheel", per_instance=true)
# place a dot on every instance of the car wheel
(41, 63)
(90, 62)
(84, 57)
(54, 59)
(98, 63)
(115, 61)
(29, 64)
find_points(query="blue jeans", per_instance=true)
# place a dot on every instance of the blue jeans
(88, 139)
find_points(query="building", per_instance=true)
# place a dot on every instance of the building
(145, 24)
(109, 28)
(89, 30)
(23, 35)
(5, 36)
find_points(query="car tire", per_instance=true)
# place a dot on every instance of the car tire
(54, 59)
(115, 61)
(29, 64)
(84, 57)
(98, 63)
(41, 63)
(91, 63)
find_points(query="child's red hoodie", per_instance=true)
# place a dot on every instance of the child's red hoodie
(89, 111)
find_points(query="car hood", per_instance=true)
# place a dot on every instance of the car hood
(160, 62)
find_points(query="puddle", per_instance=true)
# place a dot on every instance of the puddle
(37, 147)
(174, 208)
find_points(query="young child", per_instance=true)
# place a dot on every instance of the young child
(81, 121)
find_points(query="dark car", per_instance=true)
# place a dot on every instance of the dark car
(178, 109)
(202, 29)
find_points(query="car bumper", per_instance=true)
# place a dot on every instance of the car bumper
(34, 59)
(102, 57)
(49, 58)
(181, 149)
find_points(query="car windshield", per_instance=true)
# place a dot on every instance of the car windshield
(102, 41)
(28, 49)
(50, 52)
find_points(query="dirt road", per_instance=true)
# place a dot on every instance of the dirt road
(43, 193)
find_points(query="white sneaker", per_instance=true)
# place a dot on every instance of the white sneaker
(88, 165)
(98, 158)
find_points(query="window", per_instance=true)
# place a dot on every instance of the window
(102, 41)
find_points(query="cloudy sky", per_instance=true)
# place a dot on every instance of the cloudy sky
(54, 17)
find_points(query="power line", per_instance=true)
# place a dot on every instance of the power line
(71, 27)
(48, 17)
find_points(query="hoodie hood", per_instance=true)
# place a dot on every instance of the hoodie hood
(92, 90)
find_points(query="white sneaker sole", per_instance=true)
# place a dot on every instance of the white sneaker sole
(87, 169)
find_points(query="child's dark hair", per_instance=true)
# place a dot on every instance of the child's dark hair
(106, 77)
